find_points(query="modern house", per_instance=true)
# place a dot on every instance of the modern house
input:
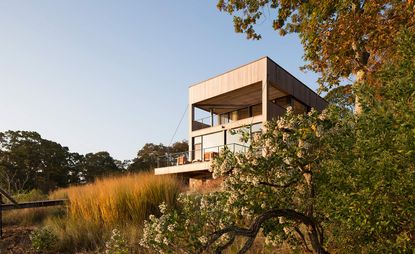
(246, 96)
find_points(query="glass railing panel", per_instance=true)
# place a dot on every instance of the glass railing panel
(194, 156)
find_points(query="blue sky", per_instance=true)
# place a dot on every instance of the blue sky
(101, 75)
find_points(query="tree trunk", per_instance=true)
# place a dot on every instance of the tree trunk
(360, 77)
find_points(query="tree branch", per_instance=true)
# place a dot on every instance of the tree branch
(253, 230)
(221, 248)
(303, 240)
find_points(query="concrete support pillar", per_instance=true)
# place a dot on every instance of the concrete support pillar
(212, 120)
(191, 119)
(265, 100)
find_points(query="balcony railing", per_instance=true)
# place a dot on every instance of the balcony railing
(201, 155)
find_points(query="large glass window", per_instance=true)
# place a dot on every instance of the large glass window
(234, 140)
(211, 142)
(255, 128)
(197, 149)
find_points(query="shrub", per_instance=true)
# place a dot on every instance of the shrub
(43, 240)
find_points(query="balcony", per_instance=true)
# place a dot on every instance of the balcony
(215, 119)
(190, 161)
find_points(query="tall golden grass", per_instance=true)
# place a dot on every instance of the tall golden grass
(118, 200)
(122, 202)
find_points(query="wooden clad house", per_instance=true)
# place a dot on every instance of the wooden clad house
(246, 96)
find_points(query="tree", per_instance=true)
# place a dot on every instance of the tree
(148, 156)
(340, 38)
(341, 96)
(76, 174)
(28, 161)
(179, 147)
(99, 164)
(369, 179)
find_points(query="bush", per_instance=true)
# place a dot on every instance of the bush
(43, 240)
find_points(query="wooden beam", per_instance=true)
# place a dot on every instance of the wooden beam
(223, 105)
(33, 204)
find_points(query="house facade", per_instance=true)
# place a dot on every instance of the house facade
(245, 97)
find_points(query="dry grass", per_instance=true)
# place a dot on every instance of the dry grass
(28, 217)
(125, 199)
(121, 202)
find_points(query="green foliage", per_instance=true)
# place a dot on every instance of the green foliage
(95, 165)
(369, 179)
(148, 155)
(27, 161)
(341, 96)
(43, 240)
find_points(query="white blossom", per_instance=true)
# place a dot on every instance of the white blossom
(170, 227)
(203, 239)
(163, 208)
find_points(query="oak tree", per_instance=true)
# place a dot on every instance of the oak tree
(341, 39)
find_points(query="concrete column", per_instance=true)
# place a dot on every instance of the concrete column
(211, 117)
(191, 119)
(265, 99)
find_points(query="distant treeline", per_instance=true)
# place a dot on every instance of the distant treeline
(27, 161)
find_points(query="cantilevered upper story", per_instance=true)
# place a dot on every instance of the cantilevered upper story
(246, 96)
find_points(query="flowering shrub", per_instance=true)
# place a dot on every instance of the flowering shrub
(185, 229)
(269, 188)
(117, 244)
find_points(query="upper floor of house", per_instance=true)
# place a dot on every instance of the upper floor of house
(258, 91)
(245, 96)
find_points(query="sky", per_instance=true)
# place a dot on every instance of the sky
(108, 75)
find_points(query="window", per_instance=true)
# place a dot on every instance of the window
(234, 140)
(197, 149)
(256, 128)
(211, 142)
